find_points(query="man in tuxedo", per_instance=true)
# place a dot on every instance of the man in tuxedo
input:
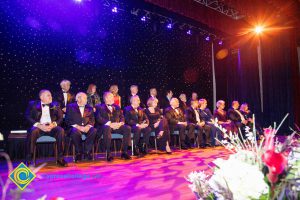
(134, 89)
(195, 122)
(110, 119)
(80, 120)
(45, 116)
(207, 116)
(136, 117)
(153, 93)
(65, 97)
(236, 116)
(165, 101)
(177, 121)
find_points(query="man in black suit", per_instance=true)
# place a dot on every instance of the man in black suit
(110, 119)
(45, 117)
(80, 119)
(207, 116)
(64, 97)
(134, 89)
(177, 121)
(136, 117)
(236, 116)
(165, 101)
(195, 122)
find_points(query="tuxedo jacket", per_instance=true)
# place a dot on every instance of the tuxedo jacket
(183, 105)
(103, 114)
(60, 98)
(73, 115)
(33, 113)
(206, 114)
(190, 115)
(132, 117)
(164, 103)
(172, 116)
(233, 115)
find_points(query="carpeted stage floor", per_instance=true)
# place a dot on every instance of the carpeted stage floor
(156, 176)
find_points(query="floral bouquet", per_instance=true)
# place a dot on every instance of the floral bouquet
(265, 169)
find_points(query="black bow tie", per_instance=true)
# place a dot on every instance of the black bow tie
(65, 92)
(81, 106)
(109, 105)
(45, 105)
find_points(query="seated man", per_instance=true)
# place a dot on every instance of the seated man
(194, 121)
(235, 115)
(207, 116)
(45, 117)
(136, 118)
(80, 120)
(110, 119)
(176, 121)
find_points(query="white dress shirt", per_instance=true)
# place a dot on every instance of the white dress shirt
(45, 118)
(65, 97)
(197, 116)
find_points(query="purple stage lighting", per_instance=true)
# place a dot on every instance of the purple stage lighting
(114, 9)
(143, 18)
(78, 1)
(207, 38)
(220, 42)
(189, 32)
(169, 26)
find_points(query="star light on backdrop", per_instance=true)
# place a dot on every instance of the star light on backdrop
(43, 43)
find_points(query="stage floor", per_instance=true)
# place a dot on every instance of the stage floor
(156, 176)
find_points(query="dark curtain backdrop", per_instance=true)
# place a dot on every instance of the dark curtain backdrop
(43, 42)
(240, 76)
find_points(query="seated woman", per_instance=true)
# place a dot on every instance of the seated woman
(158, 123)
(114, 90)
(92, 96)
(221, 115)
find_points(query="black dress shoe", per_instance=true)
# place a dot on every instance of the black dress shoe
(144, 149)
(125, 156)
(109, 158)
(136, 151)
(78, 158)
(62, 162)
(89, 156)
(184, 147)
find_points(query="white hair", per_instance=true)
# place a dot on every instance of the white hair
(79, 94)
(65, 81)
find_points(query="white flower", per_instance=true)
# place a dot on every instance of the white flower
(244, 180)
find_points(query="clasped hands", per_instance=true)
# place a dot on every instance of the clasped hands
(116, 125)
(47, 127)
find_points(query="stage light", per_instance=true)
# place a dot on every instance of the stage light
(143, 18)
(78, 1)
(189, 32)
(169, 26)
(258, 29)
(114, 10)
(207, 38)
(220, 42)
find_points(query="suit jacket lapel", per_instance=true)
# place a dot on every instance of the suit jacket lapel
(39, 110)
(86, 111)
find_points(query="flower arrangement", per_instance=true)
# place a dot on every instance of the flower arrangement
(265, 169)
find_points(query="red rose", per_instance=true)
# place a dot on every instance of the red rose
(273, 178)
(276, 162)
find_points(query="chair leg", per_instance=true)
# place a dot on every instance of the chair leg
(115, 148)
(155, 144)
(132, 147)
(73, 150)
(121, 146)
(34, 155)
(55, 152)
(179, 143)
(93, 152)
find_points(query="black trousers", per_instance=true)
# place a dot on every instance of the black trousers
(201, 131)
(75, 135)
(182, 136)
(106, 131)
(137, 132)
(34, 133)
